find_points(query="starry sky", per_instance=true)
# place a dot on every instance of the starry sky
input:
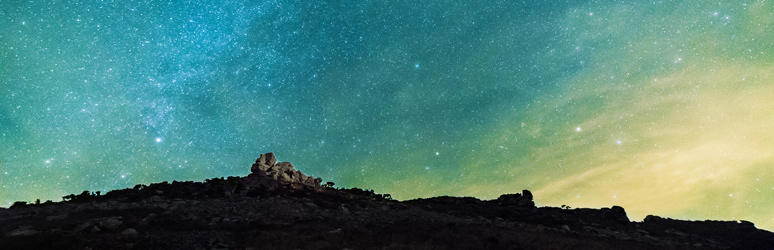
(662, 107)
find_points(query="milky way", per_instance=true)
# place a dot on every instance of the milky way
(662, 107)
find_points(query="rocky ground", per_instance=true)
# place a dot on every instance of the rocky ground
(278, 207)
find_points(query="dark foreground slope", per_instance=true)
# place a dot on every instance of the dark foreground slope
(278, 207)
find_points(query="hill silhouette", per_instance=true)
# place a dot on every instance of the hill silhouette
(279, 207)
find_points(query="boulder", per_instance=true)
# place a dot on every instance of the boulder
(263, 163)
(309, 181)
(283, 176)
(618, 214)
(526, 199)
(129, 232)
(526, 194)
(284, 166)
(110, 223)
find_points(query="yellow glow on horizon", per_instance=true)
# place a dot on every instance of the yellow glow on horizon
(698, 158)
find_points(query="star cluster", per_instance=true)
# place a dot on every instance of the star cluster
(662, 107)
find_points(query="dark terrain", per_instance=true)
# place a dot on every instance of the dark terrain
(278, 207)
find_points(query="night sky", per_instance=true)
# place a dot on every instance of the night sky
(662, 107)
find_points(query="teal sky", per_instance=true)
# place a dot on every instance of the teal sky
(662, 107)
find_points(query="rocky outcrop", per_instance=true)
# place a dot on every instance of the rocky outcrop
(616, 213)
(521, 200)
(742, 234)
(267, 175)
(263, 163)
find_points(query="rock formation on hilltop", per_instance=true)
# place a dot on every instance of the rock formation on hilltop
(279, 207)
(268, 174)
